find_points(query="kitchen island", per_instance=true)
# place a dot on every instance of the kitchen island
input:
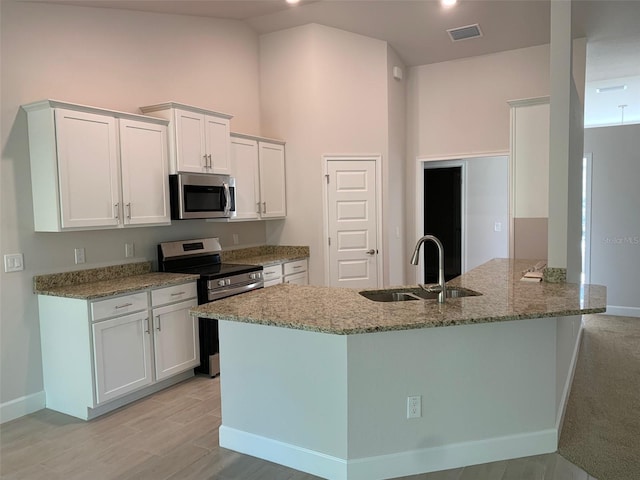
(318, 378)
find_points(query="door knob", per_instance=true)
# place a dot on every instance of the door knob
(371, 251)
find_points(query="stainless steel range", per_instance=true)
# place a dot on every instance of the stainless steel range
(217, 280)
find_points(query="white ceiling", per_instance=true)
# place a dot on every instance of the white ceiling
(416, 29)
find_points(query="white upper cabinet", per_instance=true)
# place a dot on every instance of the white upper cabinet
(198, 138)
(244, 160)
(93, 168)
(259, 169)
(143, 154)
(272, 180)
(87, 152)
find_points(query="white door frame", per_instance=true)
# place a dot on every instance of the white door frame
(325, 214)
(445, 161)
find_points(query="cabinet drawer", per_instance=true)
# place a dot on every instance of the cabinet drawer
(297, 278)
(270, 283)
(113, 307)
(172, 294)
(295, 267)
(272, 272)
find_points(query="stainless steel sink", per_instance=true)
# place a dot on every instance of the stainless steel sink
(408, 294)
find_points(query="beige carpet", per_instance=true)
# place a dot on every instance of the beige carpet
(601, 431)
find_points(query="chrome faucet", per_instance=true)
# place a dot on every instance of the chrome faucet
(414, 260)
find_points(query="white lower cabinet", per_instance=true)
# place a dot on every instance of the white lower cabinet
(122, 351)
(102, 354)
(175, 335)
(287, 272)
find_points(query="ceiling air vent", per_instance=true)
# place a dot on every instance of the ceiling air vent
(464, 33)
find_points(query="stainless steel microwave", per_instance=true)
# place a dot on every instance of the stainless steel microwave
(204, 195)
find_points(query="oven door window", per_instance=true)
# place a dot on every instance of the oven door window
(199, 198)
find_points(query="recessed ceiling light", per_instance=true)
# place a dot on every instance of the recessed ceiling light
(611, 89)
(448, 3)
(292, 2)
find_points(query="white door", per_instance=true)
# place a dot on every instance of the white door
(122, 349)
(244, 157)
(217, 141)
(272, 180)
(352, 216)
(176, 343)
(144, 164)
(88, 169)
(190, 142)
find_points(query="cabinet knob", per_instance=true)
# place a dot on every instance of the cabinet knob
(371, 251)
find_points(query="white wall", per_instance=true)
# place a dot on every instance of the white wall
(113, 59)
(325, 91)
(487, 203)
(615, 222)
(396, 258)
(460, 107)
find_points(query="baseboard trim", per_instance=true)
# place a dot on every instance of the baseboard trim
(623, 311)
(293, 456)
(567, 384)
(392, 465)
(22, 406)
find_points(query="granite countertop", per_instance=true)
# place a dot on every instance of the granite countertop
(344, 311)
(106, 281)
(265, 255)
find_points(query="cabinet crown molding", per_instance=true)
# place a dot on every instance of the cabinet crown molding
(257, 138)
(183, 106)
(49, 103)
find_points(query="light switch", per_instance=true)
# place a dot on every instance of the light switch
(13, 262)
(497, 227)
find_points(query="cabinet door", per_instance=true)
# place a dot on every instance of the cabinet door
(244, 163)
(122, 355)
(272, 180)
(217, 144)
(175, 332)
(301, 278)
(144, 165)
(87, 150)
(190, 142)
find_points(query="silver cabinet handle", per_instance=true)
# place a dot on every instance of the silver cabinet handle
(296, 267)
(264, 207)
(371, 251)
(177, 293)
(116, 209)
(128, 205)
(258, 206)
(159, 327)
(206, 163)
(210, 161)
(147, 329)
(124, 305)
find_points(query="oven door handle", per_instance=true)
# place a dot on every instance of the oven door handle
(227, 199)
(217, 294)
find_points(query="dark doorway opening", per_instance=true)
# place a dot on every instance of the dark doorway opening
(442, 218)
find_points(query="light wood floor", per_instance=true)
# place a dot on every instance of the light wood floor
(174, 435)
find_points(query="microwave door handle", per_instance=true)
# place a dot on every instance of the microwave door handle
(227, 198)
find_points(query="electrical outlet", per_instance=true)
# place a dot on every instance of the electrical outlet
(235, 239)
(13, 262)
(129, 251)
(79, 255)
(414, 406)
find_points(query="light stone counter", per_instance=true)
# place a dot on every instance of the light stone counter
(106, 281)
(344, 311)
(265, 255)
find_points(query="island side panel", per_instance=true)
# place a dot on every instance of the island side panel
(488, 393)
(569, 333)
(283, 394)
